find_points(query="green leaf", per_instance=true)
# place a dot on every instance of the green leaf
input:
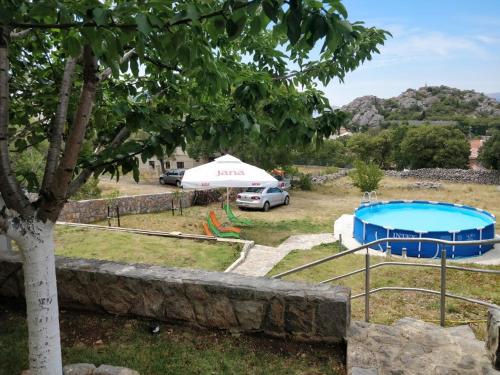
(271, 9)
(143, 24)
(293, 22)
(72, 45)
(100, 16)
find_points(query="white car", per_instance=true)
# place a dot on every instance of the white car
(262, 198)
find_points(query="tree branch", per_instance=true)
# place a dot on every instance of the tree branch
(126, 57)
(119, 138)
(54, 198)
(9, 187)
(56, 132)
(129, 26)
(20, 34)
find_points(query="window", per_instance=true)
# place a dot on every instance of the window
(152, 164)
(180, 164)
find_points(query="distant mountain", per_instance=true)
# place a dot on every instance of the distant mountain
(430, 103)
(495, 95)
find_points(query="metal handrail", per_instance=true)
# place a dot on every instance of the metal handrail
(430, 291)
(443, 267)
(382, 240)
(410, 264)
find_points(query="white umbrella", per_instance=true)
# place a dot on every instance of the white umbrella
(226, 171)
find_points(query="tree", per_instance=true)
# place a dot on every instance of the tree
(489, 154)
(107, 82)
(429, 146)
(366, 176)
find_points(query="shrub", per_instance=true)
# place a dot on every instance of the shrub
(366, 176)
(89, 190)
(305, 182)
(331, 170)
(489, 155)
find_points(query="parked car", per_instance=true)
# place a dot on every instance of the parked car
(172, 177)
(262, 198)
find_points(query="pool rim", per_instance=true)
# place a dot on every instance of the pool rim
(371, 204)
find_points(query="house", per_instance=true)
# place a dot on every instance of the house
(475, 146)
(179, 159)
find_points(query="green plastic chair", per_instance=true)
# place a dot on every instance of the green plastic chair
(233, 218)
(218, 233)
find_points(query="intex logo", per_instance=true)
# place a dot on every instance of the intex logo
(230, 173)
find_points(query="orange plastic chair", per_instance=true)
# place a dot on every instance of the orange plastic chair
(207, 230)
(220, 227)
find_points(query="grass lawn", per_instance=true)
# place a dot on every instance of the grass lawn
(116, 341)
(387, 307)
(136, 248)
(315, 211)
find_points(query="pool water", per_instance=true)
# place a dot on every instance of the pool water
(424, 219)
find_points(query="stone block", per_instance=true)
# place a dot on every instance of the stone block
(79, 369)
(114, 370)
(250, 314)
(493, 339)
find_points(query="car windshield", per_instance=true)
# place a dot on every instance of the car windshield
(255, 190)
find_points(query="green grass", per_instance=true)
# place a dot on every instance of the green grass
(273, 233)
(125, 342)
(136, 248)
(387, 307)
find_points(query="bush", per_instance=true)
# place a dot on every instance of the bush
(366, 176)
(89, 190)
(489, 155)
(305, 182)
(331, 170)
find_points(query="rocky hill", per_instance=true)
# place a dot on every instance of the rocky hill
(430, 103)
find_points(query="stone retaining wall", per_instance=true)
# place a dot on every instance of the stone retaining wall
(455, 175)
(277, 308)
(493, 339)
(88, 211)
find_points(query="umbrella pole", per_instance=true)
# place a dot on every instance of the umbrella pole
(227, 196)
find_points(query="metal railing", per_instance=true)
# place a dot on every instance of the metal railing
(367, 268)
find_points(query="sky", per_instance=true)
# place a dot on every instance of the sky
(435, 42)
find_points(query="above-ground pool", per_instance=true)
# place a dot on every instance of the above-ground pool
(424, 219)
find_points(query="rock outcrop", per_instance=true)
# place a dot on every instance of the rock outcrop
(428, 103)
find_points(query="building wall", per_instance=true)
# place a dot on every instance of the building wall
(178, 159)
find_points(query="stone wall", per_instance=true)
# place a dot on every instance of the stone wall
(208, 299)
(88, 211)
(454, 175)
(493, 339)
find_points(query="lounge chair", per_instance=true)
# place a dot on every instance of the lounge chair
(218, 233)
(233, 218)
(220, 227)
(207, 230)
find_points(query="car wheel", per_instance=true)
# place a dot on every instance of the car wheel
(266, 206)
(287, 201)
(162, 181)
(178, 183)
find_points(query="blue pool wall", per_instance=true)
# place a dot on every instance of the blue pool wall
(365, 232)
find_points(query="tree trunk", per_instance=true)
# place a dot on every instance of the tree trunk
(37, 247)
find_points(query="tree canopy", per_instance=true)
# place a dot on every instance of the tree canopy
(489, 154)
(103, 83)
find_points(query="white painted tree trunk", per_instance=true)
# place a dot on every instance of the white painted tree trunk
(37, 247)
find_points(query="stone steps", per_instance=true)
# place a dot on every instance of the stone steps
(411, 346)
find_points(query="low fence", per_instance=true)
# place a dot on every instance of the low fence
(315, 313)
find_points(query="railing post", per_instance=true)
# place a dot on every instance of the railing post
(388, 252)
(442, 304)
(367, 286)
(404, 252)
